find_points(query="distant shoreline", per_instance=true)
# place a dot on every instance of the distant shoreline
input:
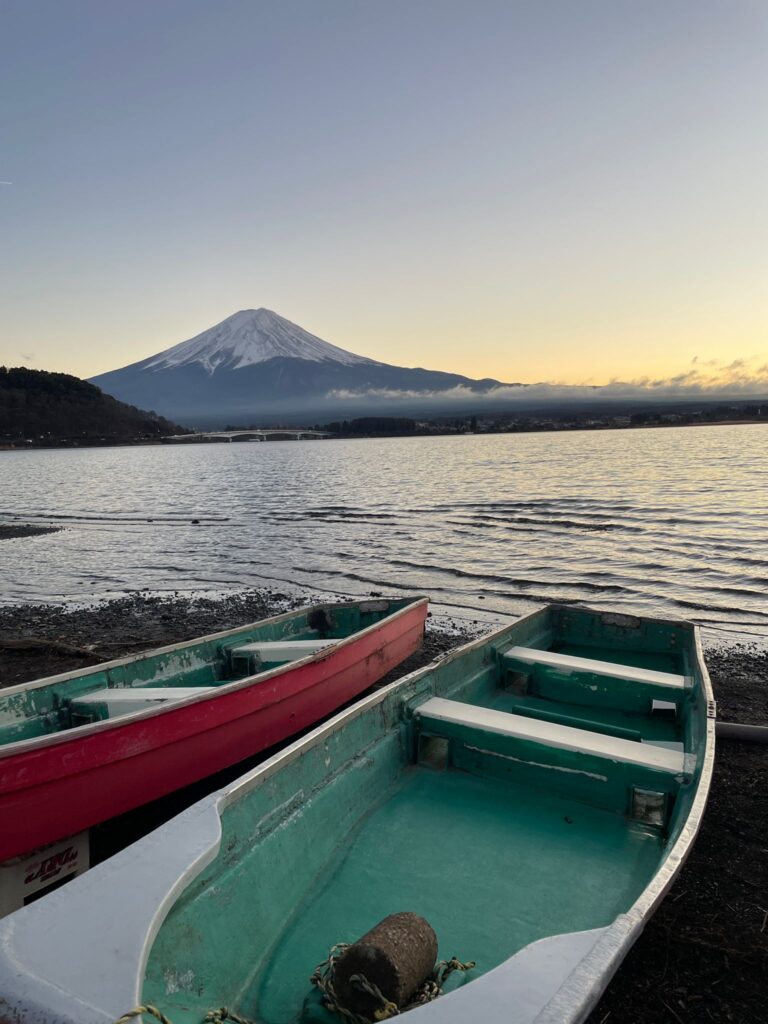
(520, 428)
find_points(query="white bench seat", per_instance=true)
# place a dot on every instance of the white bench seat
(124, 700)
(281, 650)
(570, 663)
(438, 710)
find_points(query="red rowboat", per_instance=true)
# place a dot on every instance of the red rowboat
(79, 748)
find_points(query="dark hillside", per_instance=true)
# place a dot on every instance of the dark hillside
(39, 407)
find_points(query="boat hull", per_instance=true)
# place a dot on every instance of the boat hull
(66, 784)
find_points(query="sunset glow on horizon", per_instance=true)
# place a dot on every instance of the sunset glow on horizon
(570, 193)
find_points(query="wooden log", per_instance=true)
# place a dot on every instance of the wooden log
(55, 646)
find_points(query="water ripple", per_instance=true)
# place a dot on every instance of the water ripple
(669, 522)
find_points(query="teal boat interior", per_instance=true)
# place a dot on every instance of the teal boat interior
(119, 687)
(530, 785)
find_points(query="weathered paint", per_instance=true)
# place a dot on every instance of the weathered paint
(545, 883)
(56, 784)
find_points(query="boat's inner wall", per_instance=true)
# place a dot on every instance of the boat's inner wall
(279, 840)
(619, 634)
(632, 725)
(492, 865)
(594, 701)
(45, 709)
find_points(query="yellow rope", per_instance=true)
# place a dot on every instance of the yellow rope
(222, 1014)
(323, 978)
(213, 1016)
(137, 1011)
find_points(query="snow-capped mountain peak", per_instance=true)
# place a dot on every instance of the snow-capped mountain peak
(248, 337)
(256, 364)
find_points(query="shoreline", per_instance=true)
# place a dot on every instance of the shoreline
(556, 429)
(703, 955)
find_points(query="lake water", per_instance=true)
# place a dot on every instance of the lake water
(669, 521)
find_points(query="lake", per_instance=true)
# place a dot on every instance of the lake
(666, 521)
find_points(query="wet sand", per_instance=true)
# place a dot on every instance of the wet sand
(704, 955)
(23, 530)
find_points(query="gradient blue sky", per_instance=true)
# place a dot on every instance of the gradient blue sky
(569, 191)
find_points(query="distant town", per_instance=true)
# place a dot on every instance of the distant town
(400, 426)
(502, 423)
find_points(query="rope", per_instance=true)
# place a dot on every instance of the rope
(137, 1011)
(212, 1017)
(223, 1013)
(433, 986)
(323, 978)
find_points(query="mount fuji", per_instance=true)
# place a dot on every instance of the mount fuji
(258, 366)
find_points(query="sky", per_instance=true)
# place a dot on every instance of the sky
(551, 190)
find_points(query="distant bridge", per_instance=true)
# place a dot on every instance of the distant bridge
(277, 434)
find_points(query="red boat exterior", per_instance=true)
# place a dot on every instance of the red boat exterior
(57, 785)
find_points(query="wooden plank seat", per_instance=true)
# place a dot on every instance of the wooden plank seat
(452, 718)
(588, 666)
(124, 700)
(280, 651)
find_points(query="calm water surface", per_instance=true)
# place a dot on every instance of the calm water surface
(667, 521)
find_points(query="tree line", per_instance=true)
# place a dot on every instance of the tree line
(36, 405)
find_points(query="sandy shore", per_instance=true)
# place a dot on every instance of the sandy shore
(704, 955)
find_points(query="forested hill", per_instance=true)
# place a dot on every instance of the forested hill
(41, 407)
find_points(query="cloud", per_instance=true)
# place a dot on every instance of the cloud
(739, 379)
(742, 377)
